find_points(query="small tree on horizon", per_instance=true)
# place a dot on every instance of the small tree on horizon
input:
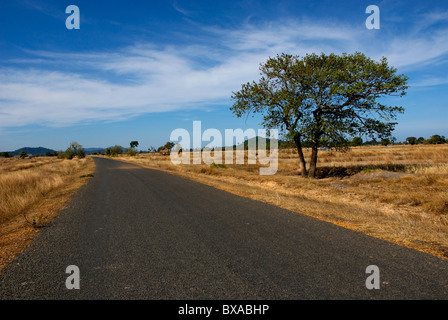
(131, 151)
(151, 149)
(74, 150)
(113, 151)
(421, 140)
(357, 141)
(385, 142)
(436, 139)
(168, 146)
(411, 140)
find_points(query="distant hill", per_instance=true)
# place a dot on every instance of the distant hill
(39, 150)
(93, 150)
(260, 142)
(43, 151)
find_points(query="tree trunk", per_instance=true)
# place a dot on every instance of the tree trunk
(315, 148)
(313, 162)
(301, 157)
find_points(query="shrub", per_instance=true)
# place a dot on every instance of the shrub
(111, 152)
(436, 139)
(5, 154)
(74, 150)
(81, 154)
(356, 142)
(131, 152)
(69, 153)
(217, 165)
(411, 140)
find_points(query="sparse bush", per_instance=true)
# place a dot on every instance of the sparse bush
(5, 154)
(411, 140)
(81, 154)
(167, 146)
(131, 152)
(421, 140)
(436, 139)
(69, 154)
(151, 149)
(74, 150)
(114, 151)
(61, 154)
(357, 141)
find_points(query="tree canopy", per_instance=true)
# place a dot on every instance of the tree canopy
(325, 99)
(168, 146)
(74, 149)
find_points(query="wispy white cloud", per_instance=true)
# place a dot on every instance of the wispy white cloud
(181, 10)
(145, 78)
(45, 8)
(430, 82)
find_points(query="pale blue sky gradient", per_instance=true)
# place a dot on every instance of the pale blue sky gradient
(136, 70)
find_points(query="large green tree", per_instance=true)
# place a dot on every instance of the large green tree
(323, 99)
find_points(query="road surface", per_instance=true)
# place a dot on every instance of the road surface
(136, 233)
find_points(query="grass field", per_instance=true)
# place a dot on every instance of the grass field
(396, 193)
(32, 192)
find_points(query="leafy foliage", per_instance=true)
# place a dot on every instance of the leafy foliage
(114, 151)
(75, 150)
(411, 140)
(324, 99)
(437, 139)
(168, 146)
(6, 154)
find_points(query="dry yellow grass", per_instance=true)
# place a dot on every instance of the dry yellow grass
(32, 192)
(399, 193)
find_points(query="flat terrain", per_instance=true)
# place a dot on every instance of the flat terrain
(137, 233)
(396, 193)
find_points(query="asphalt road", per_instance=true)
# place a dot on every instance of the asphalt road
(136, 233)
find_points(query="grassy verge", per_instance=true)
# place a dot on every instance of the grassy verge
(32, 193)
(399, 193)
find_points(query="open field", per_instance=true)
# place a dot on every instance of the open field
(396, 193)
(32, 192)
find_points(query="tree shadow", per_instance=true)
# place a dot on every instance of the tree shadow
(342, 172)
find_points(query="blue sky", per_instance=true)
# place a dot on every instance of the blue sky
(137, 70)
